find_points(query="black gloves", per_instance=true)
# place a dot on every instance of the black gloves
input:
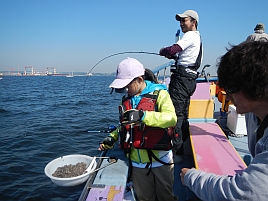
(107, 143)
(132, 116)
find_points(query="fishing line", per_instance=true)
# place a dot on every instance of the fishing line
(127, 52)
(112, 55)
(141, 52)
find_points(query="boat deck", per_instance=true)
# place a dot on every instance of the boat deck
(119, 170)
(109, 176)
(241, 146)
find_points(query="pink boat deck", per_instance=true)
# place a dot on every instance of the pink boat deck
(212, 151)
(202, 91)
(109, 193)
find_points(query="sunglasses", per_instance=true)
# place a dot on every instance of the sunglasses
(231, 91)
(184, 19)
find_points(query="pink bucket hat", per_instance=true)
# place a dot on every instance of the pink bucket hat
(127, 70)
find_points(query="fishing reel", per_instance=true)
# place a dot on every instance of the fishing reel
(173, 67)
(111, 129)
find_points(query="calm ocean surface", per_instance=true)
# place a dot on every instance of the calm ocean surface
(43, 118)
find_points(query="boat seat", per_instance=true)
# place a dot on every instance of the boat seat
(212, 151)
(110, 182)
(202, 102)
(114, 174)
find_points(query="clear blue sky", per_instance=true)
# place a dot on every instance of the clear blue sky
(73, 35)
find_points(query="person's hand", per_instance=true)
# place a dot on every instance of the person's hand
(132, 116)
(161, 51)
(170, 57)
(183, 172)
(107, 143)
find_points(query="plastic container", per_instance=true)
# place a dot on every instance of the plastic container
(236, 122)
(69, 160)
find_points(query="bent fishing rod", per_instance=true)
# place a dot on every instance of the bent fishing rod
(109, 130)
(128, 52)
(112, 55)
(112, 128)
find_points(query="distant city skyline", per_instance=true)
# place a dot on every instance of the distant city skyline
(74, 35)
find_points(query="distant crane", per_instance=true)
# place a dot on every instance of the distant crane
(54, 70)
(11, 71)
(28, 67)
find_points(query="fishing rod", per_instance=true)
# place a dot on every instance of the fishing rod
(112, 55)
(112, 128)
(127, 52)
(109, 130)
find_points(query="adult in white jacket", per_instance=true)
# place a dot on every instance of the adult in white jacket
(243, 73)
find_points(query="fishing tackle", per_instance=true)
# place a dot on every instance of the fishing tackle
(109, 130)
(128, 52)
(119, 53)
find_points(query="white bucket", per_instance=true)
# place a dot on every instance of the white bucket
(69, 160)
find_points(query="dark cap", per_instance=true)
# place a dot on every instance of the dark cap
(259, 26)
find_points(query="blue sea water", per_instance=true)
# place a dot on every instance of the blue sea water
(43, 118)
